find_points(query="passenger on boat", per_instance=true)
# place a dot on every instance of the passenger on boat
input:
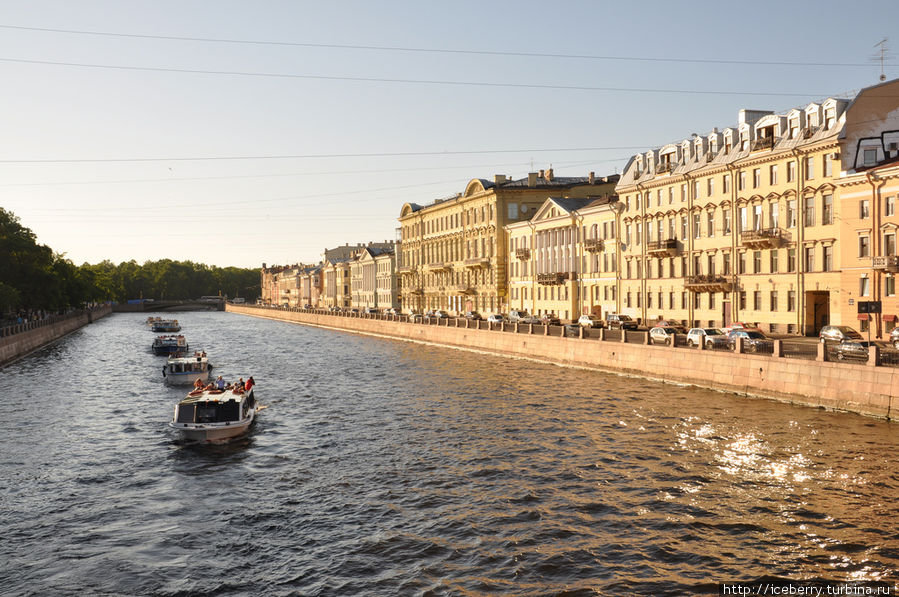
(250, 383)
(219, 383)
(198, 385)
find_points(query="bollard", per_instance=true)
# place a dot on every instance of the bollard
(873, 356)
(778, 349)
(822, 352)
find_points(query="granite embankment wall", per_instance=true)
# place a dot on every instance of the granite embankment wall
(862, 389)
(18, 340)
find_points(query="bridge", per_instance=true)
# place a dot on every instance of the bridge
(165, 305)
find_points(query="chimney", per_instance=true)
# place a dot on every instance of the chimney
(499, 178)
(541, 173)
(532, 179)
(549, 174)
(591, 178)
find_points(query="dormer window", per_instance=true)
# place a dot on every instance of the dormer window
(870, 157)
(794, 128)
(812, 119)
(764, 138)
(744, 141)
(830, 118)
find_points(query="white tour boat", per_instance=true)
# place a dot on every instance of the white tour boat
(180, 371)
(166, 325)
(209, 415)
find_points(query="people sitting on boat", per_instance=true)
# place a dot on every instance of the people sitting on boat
(198, 385)
(219, 383)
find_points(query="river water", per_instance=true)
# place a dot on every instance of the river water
(389, 468)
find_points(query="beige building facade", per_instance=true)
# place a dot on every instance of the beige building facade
(454, 252)
(336, 284)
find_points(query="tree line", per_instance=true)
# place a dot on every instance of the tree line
(34, 277)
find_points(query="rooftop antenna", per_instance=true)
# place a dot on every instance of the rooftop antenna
(882, 44)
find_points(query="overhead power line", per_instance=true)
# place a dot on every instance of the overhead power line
(438, 50)
(409, 81)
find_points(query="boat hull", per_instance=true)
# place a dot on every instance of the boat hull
(210, 432)
(185, 379)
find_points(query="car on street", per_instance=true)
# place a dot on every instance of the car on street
(496, 318)
(838, 333)
(737, 325)
(857, 350)
(754, 340)
(517, 315)
(473, 315)
(708, 337)
(589, 321)
(894, 338)
(663, 334)
(550, 320)
(532, 319)
(617, 321)
(391, 311)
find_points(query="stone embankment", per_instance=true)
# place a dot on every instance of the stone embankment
(18, 340)
(861, 388)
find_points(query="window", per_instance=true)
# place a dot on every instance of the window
(683, 227)
(710, 223)
(711, 300)
(864, 287)
(791, 213)
(513, 211)
(889, 243)
(697, 300)
(756, 262)
(773, 300)
(638, 228)
(827, 256)
(741, 181)
(864, 209)
(743, 221)
(889, 206)
(889, 286)
(870, 157)
(794, 128)
(773, 215)
(791, 260)
(683, 192)
(810, 259)
(773, 260)
(711, 264)
(809, 211)
(828, 164)
(757, 300)
(810, 168)
(772, 174)
(725, 183)
(864, 245)
(683, 300)
(827, 211)
(791, 300)
(696, 194)
(670, 195)
(659, 198)
(696, 231)
(726, 269)
(756, 217)
(829, 118)
(791, 171)
(727, 221)
(710, 186)
(743, 300)
(627, 234)
(741, 263)
(756, 178)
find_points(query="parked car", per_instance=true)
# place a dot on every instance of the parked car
(753, 340)
(894, 338)
(517, 315)
(838, 333)
(439, 314)
(529, 319)
(415, 317)
(550, 320)
(589, 321)
(496, 318)
(617, 321)
(370, 311)
(307, 306)
(391, 311)
(473, 315)
(663, 334)
(709, 337)
(857, 350)
(737, 325)
(334, 308)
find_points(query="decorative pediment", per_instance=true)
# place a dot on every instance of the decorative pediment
(474, 187)
(772, 196)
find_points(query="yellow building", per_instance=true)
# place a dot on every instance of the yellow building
(454, 255)
(563, 260)
(336, 279)
(737, 225)
(867, 196)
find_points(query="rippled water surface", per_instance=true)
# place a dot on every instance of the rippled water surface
(388, 468)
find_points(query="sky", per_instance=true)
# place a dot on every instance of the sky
(240, 133)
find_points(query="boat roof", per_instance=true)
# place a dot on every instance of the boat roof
(212, 396)
(193, 359)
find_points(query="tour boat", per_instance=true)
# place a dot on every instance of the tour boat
(166, 325)
(210, 415)
(182, 371)
(171, 344)
(153, 320)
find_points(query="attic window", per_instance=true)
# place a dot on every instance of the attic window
(830, 117)
(870, 157)
(794, 128)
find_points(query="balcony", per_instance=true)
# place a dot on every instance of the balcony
(593, 245)
(555, 279)
(417, 292)
(708, 284)
(463, 289)
(664, 168)
(766, 238)
(406, 269)
(524, 253)
(662, 248)
(440, 267)
(762, 143)
(477, 262)
(887, 263)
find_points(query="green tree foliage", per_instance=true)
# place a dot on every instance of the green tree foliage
(33, 277)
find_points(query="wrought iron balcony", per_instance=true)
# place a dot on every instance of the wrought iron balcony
(765, 238)
(440, 266)
(594, 245)
(664, 167)
(477, 262)
(762, 143)
(708, 284)
(523, 253)
(887, 263)
(554, 279)
(406, 269)
(662, 248)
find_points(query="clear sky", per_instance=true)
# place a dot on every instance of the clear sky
(236, 133)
